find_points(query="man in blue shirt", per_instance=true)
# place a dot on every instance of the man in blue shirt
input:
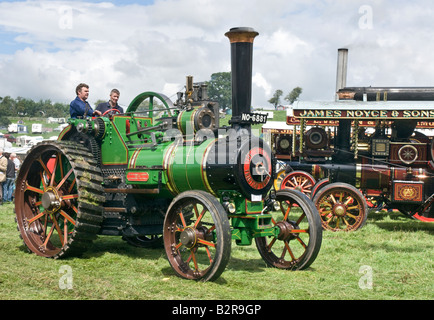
(112, 104)
(80, 108)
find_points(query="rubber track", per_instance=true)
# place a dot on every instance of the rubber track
(90, 197)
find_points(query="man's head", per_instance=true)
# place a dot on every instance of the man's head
(13, 155)
(114, 96)
(1, 151)
(82, 91)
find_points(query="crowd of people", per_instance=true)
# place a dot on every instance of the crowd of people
(9, 165)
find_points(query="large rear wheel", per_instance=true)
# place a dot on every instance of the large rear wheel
(58, 199)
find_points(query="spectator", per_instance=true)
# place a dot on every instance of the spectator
(3, 168)
(16, 161)
(8, 185)
(17, 164)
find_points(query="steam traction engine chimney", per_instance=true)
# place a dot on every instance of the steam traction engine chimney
(343, 142)
(341, 75)
(241, 40)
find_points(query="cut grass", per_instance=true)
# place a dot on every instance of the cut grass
(398, 250)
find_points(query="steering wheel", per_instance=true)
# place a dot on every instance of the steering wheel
(111, 110)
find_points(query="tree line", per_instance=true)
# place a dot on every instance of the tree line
(219, 90)
(23, 107)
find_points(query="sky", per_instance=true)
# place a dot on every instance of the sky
(48, 47)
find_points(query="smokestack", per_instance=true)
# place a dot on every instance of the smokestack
(241, 40)
(343, 143)
(341, 76)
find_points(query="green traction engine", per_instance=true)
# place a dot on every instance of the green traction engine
(167, 175)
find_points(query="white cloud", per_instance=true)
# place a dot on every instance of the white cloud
(140, 48)
(259, 80)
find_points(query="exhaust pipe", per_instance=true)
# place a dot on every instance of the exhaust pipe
(341, 75)
(241, 40)
(343, 143)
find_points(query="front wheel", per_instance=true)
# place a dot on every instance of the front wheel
(341, 206)
(299, 234)
(197, 236)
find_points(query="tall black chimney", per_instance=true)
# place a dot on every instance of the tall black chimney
(241, 40)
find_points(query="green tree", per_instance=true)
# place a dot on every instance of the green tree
(220, 89)
(7, 106)
(275, 100)
(4, 122)
(293, 95)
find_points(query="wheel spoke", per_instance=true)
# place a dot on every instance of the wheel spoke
(44, 167)
(325, 212)
(352, 216)
(270, 245)
(48, 237)
(301, 242)
(200, 217)
(40, 215)
(67, 217)
(352, 208)
(287, 211)
(295, 231)
(208, 252)
(292, 183)
(54, 171)
(345, 221)
(304, 182)
(289, 250)
(196, 211)
(207, 243)
(64, 179)
(193, 256)
(59, 231)
(72, 185)
(181, 216)
(333, 199)
(44, 183)
(348, 200)
(34, 189)
(178, 246)
(65, 230)
(302, 217)
(69, 197)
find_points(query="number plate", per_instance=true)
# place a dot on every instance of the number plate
(253, 118)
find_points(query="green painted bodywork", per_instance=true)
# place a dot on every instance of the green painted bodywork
(155, 161)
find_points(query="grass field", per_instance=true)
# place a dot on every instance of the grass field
(390, 258)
